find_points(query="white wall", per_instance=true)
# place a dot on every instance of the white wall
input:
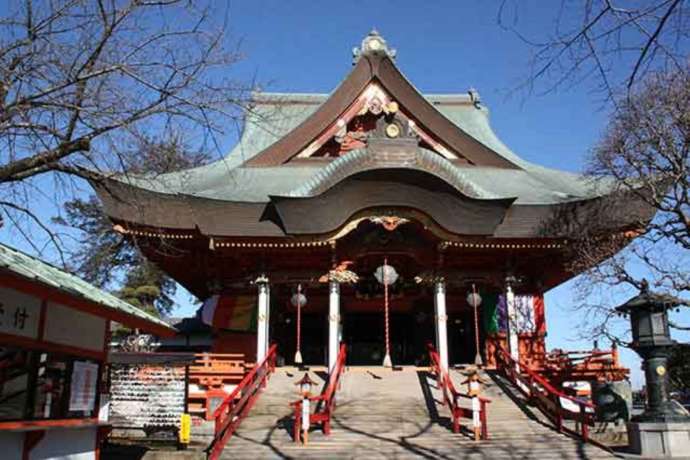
(70, 444)
(67, 326)
(73, 444)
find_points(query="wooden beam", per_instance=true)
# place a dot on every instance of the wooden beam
(25, 342)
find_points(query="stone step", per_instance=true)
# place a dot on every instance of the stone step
(384, 414)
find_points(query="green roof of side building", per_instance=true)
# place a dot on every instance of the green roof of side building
(35, 270)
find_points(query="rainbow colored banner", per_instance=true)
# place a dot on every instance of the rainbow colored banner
(232, 313)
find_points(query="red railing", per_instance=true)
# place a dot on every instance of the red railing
(554, 403)
(325, 402)
(236, 406)
(210, 373)
(451, 396)
(560, 366)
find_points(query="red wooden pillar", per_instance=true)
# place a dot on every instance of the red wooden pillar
(31, 440)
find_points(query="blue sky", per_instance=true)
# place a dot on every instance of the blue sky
(443, 47)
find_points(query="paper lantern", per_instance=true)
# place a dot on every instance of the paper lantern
(386, 274)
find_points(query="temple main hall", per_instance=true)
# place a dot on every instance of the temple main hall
(374, 216)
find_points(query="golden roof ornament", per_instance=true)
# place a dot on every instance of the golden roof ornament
(340, 274)
(429, 277)
(373, 44)
(388, 222)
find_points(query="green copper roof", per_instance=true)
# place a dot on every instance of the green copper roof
(273, 115)
(33, 269)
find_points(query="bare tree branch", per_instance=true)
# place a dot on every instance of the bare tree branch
(37, 221)
(602, 42)
(652, 40)
(81, 81)
(642, 159)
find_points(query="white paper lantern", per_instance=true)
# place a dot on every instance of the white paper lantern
(474, 299)
(391, 276)
(298, 299)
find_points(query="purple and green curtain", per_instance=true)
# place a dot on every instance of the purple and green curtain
(528, 311)
(493, 313)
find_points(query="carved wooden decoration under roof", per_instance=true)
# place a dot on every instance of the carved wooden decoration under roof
(373, 115)
(376, 100)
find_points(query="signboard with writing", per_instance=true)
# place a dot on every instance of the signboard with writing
(83, 386)
(19, 313)
(150, 397)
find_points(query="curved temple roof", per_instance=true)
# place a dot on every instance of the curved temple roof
(280, 127)
(273, 115)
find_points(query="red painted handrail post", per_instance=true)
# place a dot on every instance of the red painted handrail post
(445, 401)
(531, 385)
(583, 421)
(218, 423)
(482, 418)
(297, 426)
(330, 404)
(327, 425)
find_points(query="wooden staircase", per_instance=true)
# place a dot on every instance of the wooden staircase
(396, 414)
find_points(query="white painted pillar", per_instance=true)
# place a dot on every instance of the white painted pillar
(513, 340)
(441, 322)
(262, 319)
(333, 323)
(268, 316)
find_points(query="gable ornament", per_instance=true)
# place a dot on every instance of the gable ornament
(390, 223)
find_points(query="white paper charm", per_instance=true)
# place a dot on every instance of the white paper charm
(476, 407)
(306, 410)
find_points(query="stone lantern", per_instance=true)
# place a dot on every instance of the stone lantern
(664, 427)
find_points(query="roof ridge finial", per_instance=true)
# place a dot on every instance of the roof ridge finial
(644, 286)
(373, 44)
(474, 96)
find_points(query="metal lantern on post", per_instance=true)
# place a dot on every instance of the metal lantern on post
(298, 301)
(652, 341)
(386, 275)
(474, 299)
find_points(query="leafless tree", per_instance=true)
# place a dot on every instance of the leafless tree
(81, 81)
(636, 53)
(645, 156)
(613, 42)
